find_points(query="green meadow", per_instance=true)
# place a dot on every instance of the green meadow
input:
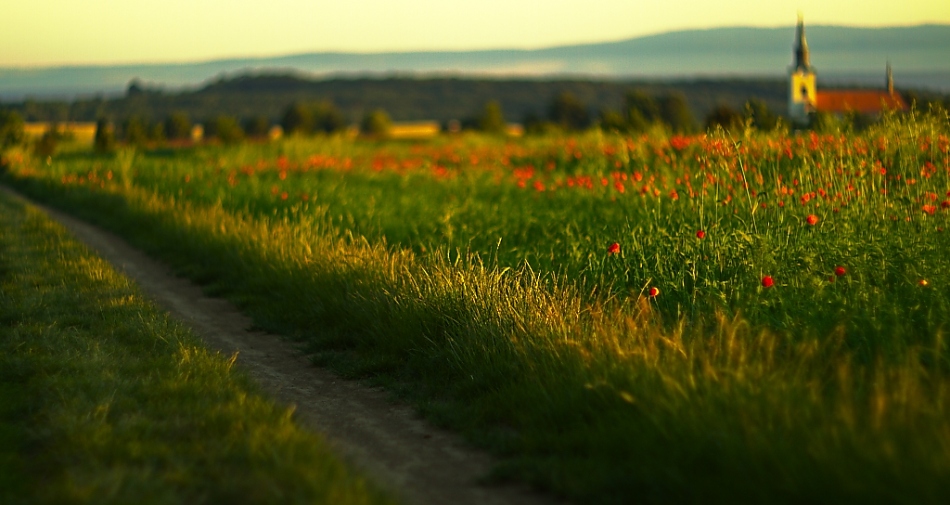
(725, 317)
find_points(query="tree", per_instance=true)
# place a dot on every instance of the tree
(135, 131)
(11, 129)
(758, 112)
(534, 125)
(568, 112)
(156, 132)
(257, 126)
(642, 110)
(46, 145)
(178, 126)
(135, 88)
(327, 118)
(611, 120)
(224, 128)
(297, 120)
(492, 120)
(376, 123)
(104, 140)
(674, 111)
(724, 116)
(303, 119)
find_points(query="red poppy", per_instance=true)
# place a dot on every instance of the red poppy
(840, 271)
(613, 248)
(767, 281)
(700, 234)
(812, 219)
(654, 292)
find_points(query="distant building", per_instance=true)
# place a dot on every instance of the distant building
(414, 129)
(82, 132)
(804, 98)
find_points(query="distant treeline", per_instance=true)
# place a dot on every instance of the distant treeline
(403, 98)
(248, 106)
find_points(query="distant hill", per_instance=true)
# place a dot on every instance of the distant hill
(404, 98)
(920, 56)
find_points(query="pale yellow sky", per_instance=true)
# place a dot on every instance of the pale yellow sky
(66, 32)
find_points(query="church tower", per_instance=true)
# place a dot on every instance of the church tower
(802, 92)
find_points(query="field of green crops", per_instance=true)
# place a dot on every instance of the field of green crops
(737, 317)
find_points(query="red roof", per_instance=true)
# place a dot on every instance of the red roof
(861, 101)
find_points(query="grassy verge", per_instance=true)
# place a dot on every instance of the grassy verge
(103, 399)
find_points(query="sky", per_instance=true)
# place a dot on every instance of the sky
(39, 33)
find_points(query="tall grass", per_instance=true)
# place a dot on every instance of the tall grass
(103, 399)
(718, 389)
(556, 205)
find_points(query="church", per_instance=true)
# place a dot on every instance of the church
(804, 98)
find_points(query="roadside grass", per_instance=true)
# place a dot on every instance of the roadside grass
(835, 392)
(104, 399)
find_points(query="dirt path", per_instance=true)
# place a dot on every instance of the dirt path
(423, 464)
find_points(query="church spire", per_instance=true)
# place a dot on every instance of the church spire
(890, 79)
(803, 89)
(802, 61)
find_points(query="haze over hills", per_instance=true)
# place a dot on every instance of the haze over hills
(920, 56)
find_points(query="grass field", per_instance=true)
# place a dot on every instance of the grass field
(717, 318)
(103, 399)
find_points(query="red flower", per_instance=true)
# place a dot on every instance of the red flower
(613, 248)
(812, 219)
(767, 281)
(840, 271)
(654, 292)
(700, 234)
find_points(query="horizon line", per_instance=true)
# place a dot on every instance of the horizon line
(216, 59)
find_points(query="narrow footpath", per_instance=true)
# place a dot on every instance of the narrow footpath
(394, 446)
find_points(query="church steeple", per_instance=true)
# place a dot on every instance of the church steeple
(802, 89)
(802, 61)
(890, 79)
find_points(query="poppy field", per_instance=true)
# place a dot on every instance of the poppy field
(725, 317)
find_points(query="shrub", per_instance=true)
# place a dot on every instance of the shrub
(376, 123)
(224, 128)
(11, 129)
(178, 126)
(104, 140)
(491, 119)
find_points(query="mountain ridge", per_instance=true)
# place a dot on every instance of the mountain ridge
(919, 54)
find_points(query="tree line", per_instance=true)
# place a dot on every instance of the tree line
(403, 98)
(641, 109)
(266, 98)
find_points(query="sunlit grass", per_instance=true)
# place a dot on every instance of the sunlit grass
(103, 399)
(487, 293)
